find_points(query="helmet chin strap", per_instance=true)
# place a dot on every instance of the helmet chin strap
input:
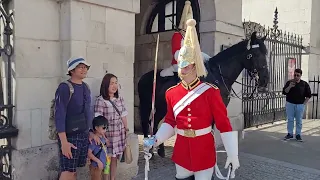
(186, 75)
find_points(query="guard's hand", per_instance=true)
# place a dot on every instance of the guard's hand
(149, 142)
(234, 162)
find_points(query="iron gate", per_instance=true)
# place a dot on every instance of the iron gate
(284, 55)
(7, 130)
(314, 101)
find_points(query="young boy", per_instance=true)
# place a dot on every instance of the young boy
(98, 153)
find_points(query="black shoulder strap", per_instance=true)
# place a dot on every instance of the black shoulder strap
(115, 107)
(99, 152)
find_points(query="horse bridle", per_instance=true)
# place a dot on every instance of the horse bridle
(253, 73)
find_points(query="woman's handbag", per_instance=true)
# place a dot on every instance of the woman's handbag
(127, 154)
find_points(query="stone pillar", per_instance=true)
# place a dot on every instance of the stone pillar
(221, 24)
(314, 61)
(37, 73)
(100, 31)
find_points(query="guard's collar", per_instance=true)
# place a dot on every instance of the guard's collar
(192, 85)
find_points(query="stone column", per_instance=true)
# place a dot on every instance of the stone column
(37, 73)
(47, 34)
(221, 24)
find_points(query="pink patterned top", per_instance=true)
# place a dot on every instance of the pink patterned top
(116, 130)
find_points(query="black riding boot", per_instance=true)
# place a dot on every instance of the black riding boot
(188, 178)
(161, 152)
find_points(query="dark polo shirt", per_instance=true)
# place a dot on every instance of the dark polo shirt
(298, 93)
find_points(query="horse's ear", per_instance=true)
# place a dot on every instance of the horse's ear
(254, 36)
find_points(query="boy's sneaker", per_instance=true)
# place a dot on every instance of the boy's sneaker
(288, 137)
(298, 138)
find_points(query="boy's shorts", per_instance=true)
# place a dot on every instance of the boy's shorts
(81, 141)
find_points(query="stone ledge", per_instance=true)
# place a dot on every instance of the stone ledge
(314, 50)
(219, 26)
(26, 163)
(130, 6)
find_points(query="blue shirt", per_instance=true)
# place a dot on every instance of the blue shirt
(95, 149)
(73, 107)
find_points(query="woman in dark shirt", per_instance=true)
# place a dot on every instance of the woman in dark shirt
(297, 94)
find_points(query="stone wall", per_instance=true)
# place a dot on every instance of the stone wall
(217, 27)
(221, 24)
(314, 59)
(47, 34)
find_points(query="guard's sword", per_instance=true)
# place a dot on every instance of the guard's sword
(148, 155)
(154, 87)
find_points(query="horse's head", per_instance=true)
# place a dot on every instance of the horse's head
(256, 62)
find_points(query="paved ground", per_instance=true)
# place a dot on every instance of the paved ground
(263, 156)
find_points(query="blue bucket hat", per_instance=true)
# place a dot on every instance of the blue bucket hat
(74, 62)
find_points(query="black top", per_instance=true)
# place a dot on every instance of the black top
(298, 93)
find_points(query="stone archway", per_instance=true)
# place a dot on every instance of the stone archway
(220, 23)
(145, 44)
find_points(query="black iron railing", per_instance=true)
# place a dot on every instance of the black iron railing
(315, 89)
(7, 130)
(284, 50)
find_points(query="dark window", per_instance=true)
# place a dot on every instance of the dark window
(167, 13)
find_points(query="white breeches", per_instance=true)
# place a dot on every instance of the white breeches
(199, 175)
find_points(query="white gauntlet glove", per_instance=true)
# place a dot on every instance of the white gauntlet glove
(230, 142)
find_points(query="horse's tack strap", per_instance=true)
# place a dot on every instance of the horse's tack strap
(188, 98)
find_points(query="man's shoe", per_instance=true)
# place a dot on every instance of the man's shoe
(288, 137)
(298, 138)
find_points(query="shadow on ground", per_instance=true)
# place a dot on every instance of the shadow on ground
(268, 142)
(263, 155)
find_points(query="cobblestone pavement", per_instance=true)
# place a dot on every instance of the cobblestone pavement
(253, 167)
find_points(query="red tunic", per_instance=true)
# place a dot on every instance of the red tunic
(197, 153)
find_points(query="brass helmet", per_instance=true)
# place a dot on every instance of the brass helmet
(190, 52)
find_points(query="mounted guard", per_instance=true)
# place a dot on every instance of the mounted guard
(177, 41)
(192, 106)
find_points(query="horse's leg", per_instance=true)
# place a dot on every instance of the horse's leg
(144, 117)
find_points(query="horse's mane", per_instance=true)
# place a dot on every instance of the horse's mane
(230, 52)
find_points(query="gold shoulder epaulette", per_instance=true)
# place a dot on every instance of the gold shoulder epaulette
(172, 87)
(212, 85)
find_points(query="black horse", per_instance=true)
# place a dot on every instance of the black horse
(223, 70)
